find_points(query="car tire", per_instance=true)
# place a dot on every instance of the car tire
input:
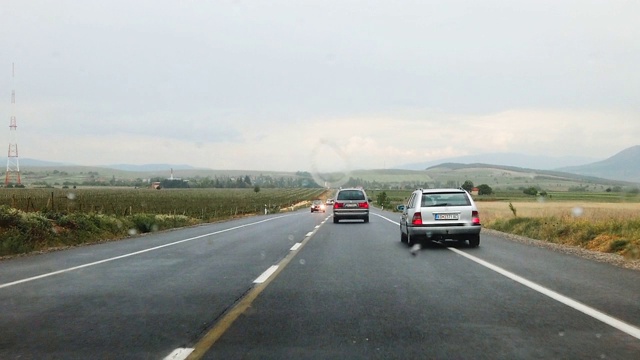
(335, 220)
(366, 219)
(403, 237)
(410, 240)
(474, 241)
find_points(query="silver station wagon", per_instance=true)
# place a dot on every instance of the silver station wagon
(351, 203)
(439, 215)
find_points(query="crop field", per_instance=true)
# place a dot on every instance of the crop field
(604, 227)
(204, 204)
(578, 210)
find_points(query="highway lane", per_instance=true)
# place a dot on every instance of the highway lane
(167, 289)
(353, 290)
(356, 292)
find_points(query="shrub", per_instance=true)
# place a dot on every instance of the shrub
(383, 199)
(144, 223)
(484, 189)
(12, 241)
(9, 217)
(618, 245)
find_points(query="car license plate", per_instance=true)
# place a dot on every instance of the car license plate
(350, 205)
(446, 216)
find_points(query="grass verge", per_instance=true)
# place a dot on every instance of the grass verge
(22, 232)
(606, 228)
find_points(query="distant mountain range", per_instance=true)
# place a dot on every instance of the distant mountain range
(35, 162)
(26, 162)
(623, 166)
(506, 159)
(149, 167)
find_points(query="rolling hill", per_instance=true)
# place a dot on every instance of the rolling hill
(622, 169)
(506, 159)
(504, 177)
(624, 165)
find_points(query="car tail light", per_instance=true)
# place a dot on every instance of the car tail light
(338, 205)
(475, 218)
(417, 219)
(364, 205)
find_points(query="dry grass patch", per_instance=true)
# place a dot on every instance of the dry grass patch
(490, 211)
(605, 227)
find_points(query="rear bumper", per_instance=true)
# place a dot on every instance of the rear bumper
(350, 214)
(444, 232)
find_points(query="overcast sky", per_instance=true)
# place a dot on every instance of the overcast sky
(328, 84)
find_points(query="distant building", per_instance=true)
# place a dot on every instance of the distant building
(155, 185)
(475, 191)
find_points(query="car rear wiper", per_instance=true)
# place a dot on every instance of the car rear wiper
(442, 204)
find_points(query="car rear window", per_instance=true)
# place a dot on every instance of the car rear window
(445, 199)
(351, 195)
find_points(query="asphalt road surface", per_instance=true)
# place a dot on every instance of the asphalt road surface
(295, 285)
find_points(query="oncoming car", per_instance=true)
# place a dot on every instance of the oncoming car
(317, 205)
(438, 215)
(351, 203)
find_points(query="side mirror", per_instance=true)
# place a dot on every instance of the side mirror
(400, 207)
(369, 199)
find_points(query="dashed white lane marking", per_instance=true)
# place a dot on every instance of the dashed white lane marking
(179, 354)
(295, 246)
(587, 310)
(134, 253)
(265, 275)
(309, 234)
(317, 227)
(212, 336)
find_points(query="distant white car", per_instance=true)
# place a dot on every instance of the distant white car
(317, 205)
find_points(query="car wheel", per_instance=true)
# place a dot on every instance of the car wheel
(403, 237)
(366, 219)
(410, 240)
(474, 241)
(335, 220)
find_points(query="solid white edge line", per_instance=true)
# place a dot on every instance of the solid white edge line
(295, 247)
(587, 310)
(389, 220)
(133, 253)
(179, 354)
(607, 319)
(265, 275)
